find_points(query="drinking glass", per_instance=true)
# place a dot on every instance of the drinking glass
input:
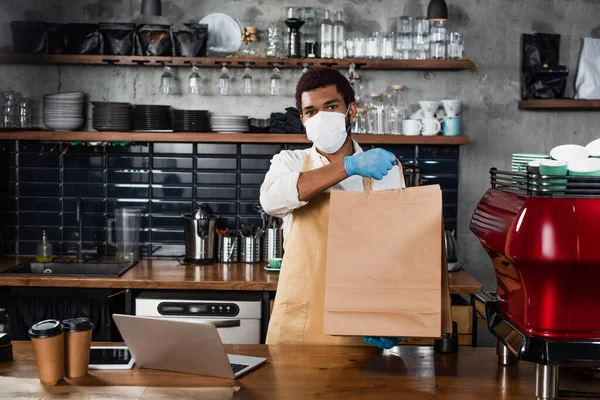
(276, 87)
(350, 48)
(168, 82)
(25, 114)
(404, 38)
(374, 45)
(437, 50)
(437, 40)
(274, 42)
(360, 48)
(223, 81)
(455, 45)
(247, 82)
(195, 81)
(438, 31)
(421, 39)
(388, 44)
(10, 110)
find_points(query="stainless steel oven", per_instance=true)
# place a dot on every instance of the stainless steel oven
(238, 320)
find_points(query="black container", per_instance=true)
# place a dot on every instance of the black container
(541, 75)
(56, 39)
(30, 37)
(6, 353)
(155, 40)
(294, 38)
(190, 40)
(82, 39)
(118, 39)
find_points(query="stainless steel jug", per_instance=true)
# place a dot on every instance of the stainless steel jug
(272, 244)
(200, 234)
(229, 249)
(250, 249)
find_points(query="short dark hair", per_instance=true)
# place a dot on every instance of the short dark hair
(319, 77)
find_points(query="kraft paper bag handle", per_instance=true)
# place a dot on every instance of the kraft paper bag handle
(367, 182)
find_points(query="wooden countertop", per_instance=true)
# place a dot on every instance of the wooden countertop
(169, 274)
(309, 372)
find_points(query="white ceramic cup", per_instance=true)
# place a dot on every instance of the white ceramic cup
(452, 107)
(431, 126)
(411, 127)
(429, 108)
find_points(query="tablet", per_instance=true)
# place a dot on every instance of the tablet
(110, 357)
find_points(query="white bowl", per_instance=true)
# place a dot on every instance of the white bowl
(585, 165)
(429, 108)
(569, 152)
(593, 148)
(64, 125)
(452, 107)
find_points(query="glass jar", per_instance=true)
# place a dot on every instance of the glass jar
(398, 110)
(376, 114)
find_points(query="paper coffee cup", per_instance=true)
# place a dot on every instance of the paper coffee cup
(48, 342)
(78, 339)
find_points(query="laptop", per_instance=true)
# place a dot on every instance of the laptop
(179, 346)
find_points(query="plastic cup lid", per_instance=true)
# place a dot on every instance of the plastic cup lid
(77, 324)
(46, 329)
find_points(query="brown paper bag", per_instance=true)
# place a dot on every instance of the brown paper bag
(386, 264)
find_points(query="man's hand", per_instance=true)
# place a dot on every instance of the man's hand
(374, 163)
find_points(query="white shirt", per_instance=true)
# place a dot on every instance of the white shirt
(279, 191)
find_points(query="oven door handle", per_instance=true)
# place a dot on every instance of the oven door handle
(223, 323)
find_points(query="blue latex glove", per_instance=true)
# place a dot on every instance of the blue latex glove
(385, 343)
(374, 163)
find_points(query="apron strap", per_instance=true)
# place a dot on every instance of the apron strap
(307, 164)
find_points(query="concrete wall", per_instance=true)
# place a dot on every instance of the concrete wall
(491, 118)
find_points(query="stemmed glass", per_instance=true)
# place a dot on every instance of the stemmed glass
(247, 82)
(195, 81)
(168, 82)
(276, 83)
(223, 80)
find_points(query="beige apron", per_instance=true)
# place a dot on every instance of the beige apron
(299, 303)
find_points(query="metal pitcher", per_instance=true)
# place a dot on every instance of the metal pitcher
(200, 234)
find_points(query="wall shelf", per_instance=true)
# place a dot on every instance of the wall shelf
(193, 137)
(212, 62)
(560, 104)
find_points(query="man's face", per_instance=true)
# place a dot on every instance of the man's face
(326, 99)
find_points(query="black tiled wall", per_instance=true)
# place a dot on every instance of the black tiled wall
(40, 183)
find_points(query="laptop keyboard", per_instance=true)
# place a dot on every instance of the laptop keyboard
(238, 367)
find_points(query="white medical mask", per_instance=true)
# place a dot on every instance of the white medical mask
(327, 130)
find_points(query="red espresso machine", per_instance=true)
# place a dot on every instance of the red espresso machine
(543, 236)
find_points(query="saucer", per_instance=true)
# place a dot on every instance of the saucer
(272, 269)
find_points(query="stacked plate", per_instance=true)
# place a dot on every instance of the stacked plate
(64, 111)
(521, 161)
(114, 117)
(152, 118)
(191, 120)
(229, 123)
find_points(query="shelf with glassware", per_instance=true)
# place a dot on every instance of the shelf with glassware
(559, 104)
(200, 137)
(234, 62)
